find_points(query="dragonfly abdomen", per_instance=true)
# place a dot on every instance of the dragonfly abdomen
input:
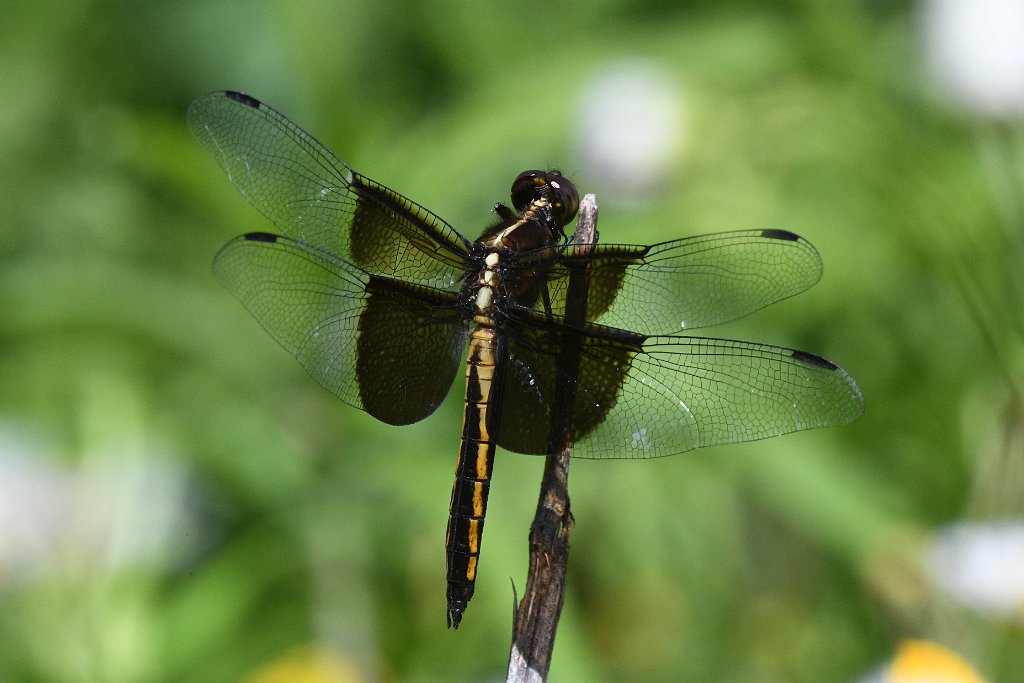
(473, 472)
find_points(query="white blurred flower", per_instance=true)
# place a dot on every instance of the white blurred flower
(105, 513)
(975, 50)
(632, 127)
(34, 504)
(982, 566)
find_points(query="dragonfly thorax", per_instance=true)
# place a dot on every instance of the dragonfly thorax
(517, 254)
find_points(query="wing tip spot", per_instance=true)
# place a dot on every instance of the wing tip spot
(815, 360)
(260, 237)
(775, 234)
(242, 98)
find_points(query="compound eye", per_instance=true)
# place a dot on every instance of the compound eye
(528, 186)
(551, 185)
(564, 198)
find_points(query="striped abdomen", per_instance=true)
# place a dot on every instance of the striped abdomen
(473, 473)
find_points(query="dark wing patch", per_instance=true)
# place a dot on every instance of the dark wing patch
(532, 395)
(410, 346)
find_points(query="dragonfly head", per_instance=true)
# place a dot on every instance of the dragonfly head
(560, 193)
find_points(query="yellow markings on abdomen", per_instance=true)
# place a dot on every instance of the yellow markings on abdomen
(483, 451)
(479, 502)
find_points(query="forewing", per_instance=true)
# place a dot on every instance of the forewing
(689, 283)
(314, 197)
(386, 347)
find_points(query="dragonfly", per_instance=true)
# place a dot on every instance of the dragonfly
(382, 301)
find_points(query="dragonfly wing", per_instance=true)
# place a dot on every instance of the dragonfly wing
(381, 345)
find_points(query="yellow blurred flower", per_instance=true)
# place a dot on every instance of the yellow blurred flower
(920, 661)
(307, 665)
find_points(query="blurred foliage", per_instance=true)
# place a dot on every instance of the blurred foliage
(303, 524)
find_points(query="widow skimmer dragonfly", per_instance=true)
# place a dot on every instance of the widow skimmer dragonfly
(378, 298)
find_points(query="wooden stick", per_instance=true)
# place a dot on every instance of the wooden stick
(535, 620)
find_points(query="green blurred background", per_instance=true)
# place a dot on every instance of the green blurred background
(180, 502)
